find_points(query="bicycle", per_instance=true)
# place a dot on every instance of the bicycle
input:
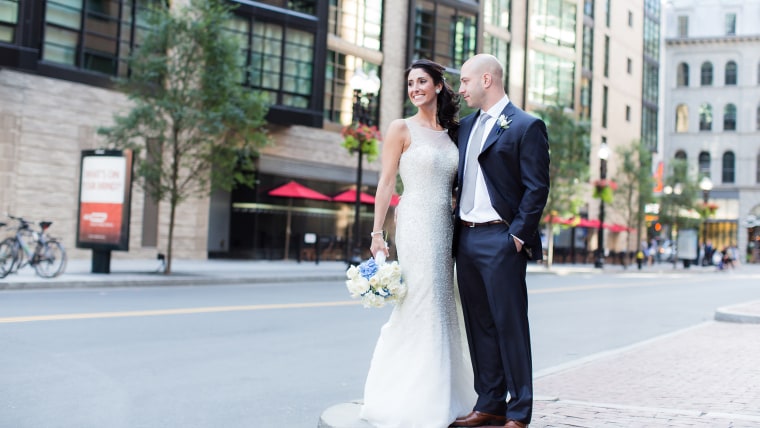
(48, 256)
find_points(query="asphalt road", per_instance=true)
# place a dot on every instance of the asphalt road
(278, 355)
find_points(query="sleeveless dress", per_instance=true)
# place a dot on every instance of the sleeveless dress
(420, 375)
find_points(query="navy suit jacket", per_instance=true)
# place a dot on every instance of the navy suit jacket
(515, 164)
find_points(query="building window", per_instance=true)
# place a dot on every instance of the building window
(444, 34)
(757, 170)
(604, 106)
(587, 61)
(729, 165)
(628, 113)
(357, 22)
(95, 35)
(683, 26)
(705, 117)
(683, 75)
(553, 21)
(707, 74)
(588, 8)
(606, 56)
(339, 97)
(8, 20)
(608, 12)
(682, 118)
(729, 118)
(552, 80)
(704, 163)
(731, 77)
(496, 13)
(757, 119)
(585, 98)
(629, 66)
(499, 48)
(630, 19)
(305, 6)
(730, 24)
(758, 73)
(680, 155)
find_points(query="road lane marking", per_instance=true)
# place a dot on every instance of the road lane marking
(215, 309)
(179, 311)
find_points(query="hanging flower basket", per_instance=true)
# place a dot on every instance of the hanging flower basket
(603, 190)
(363, 138)
(707, 209)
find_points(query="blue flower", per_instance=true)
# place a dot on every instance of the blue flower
(368, 268)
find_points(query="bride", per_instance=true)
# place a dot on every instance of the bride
(420, 375)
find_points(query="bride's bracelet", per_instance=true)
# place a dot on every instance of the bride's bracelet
(377, 233)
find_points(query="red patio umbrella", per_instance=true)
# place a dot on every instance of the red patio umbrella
(349, 196)
(292, 190)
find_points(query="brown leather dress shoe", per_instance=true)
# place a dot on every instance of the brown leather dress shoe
(514, 424)
(478, 419)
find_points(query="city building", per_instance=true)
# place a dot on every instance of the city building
(712, 110)
(596, 58)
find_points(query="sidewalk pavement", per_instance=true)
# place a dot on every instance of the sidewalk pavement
(704, 376)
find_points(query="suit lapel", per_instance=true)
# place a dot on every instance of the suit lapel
(496, 130)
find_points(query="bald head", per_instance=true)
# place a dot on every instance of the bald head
(482, 81)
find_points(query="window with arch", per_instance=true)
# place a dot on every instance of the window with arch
(729, 118)
(683, 74)
(729, 165)
(682, 118)
(731, 73)
(706, 74)
(705, 117)
(680, 155)
(704, 164)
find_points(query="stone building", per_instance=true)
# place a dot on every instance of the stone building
(712, 110)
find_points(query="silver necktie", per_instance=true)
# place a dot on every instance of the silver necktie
(471, 169)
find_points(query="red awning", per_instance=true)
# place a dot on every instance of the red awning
(395, 199)
(349, 196)
(297, 190)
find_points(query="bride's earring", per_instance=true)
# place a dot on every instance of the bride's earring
(437, 91)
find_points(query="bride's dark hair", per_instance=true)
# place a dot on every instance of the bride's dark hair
(447, 100)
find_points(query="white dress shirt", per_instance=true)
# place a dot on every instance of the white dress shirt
(483, 211)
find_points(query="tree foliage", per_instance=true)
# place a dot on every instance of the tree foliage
(192, 122)
(570, 148)
(680, 198)
(635, 185)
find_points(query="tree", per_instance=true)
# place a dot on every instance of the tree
(679, 198)
(193, 123)
(635, 186)
(568, 169)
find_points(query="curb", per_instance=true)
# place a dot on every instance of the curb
(177, 281)
(745, 313)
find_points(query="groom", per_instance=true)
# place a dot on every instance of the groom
(503, 186)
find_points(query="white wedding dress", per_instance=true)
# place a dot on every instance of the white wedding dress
(420, 375)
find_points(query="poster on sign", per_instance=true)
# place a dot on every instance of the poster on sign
(104, 199)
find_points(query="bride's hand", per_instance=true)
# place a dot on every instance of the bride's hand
(378, 244)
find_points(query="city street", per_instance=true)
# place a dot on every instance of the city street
(266, 355)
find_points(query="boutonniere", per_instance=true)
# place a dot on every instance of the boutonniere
(503, 122)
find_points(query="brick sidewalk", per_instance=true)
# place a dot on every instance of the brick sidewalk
(706, 376)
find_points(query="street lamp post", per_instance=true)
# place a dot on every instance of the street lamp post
(706, 185)
(365, 87)
(604, 153)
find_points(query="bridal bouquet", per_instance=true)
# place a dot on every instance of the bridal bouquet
(376, 283)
